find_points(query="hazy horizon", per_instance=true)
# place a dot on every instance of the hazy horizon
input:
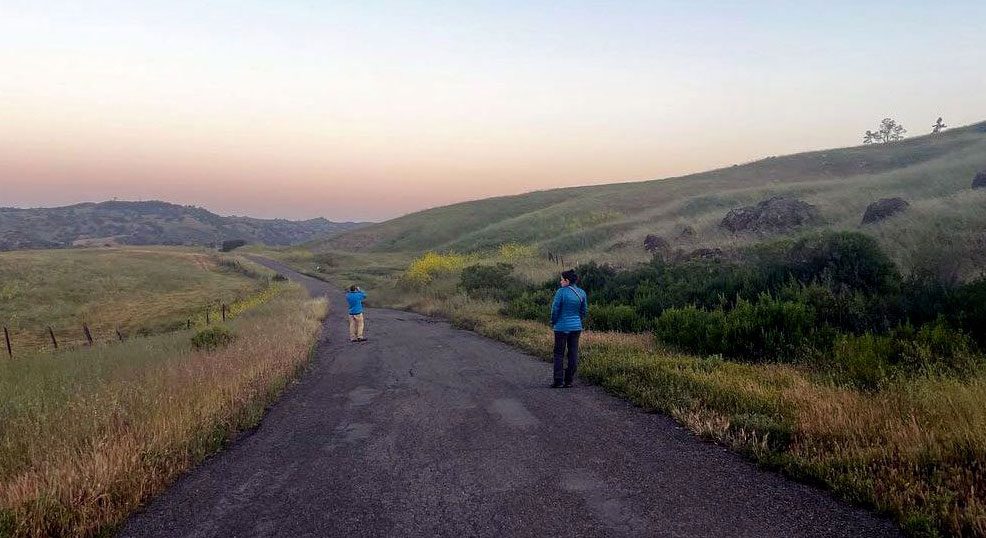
(366, 111)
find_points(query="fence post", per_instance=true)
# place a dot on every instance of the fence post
(119, 334)
(51, 333)
(188, 324)
(224, 312)
(85, 331)
(6, 337)
(207, 321)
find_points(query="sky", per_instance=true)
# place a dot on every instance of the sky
(366, 110)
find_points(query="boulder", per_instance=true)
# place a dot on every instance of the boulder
(884, 208)
(777, 214)
(979, 182)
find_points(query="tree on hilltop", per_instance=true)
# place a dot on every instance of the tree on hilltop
(889, 131)
(939, 126)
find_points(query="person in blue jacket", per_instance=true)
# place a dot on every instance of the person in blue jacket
(568, 309)
(355, 299)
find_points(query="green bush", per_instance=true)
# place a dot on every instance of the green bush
(769, 329)
(231, 244)
(863, 361)
(212, 338)
(491, 282)
(934, 347)
(692, 329)
(833, 300)
(532, 304)
(622, 318)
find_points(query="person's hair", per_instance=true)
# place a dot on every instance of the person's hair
(352, 288)
(570, 276)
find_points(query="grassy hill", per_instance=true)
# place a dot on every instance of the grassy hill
(148, 223)
(136, 291)
(933, 173)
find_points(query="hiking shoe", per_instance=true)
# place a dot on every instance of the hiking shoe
(568, 385)
(556, 385)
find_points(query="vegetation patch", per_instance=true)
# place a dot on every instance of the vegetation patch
(89, 435)
(212, 338)
(814, 356)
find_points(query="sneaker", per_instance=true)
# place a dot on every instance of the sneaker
(361, 339)
(568, 385)
(556, 385)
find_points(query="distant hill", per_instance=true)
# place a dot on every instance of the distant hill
(933, 173)
(149, 223)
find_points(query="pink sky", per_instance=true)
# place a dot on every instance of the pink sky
(371, 110)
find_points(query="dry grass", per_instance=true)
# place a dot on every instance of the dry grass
(89, 435)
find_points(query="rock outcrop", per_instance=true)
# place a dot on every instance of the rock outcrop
(979, 182)
(777, 214)
(884, 208)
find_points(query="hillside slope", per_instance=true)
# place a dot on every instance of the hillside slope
(933, 173)
(148, 223)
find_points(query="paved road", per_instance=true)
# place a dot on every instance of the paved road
(427, 430)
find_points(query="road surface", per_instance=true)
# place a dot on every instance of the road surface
(426, 430)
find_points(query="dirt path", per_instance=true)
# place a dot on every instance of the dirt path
(427, 430)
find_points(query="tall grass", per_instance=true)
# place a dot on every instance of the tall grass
(89, 435)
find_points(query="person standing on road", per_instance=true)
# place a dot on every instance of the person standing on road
(355, 299)
(568, 309)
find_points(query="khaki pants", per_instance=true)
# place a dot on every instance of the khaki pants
(356, 327)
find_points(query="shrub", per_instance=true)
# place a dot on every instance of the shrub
(622, 318)
(844, 261)
(231, 244)
(769, 328)
(532, 304)
(967, 307)
(766, 329)
(491, 282)
(863, 361)
(593, 277)
(935, 347)
(692, 329)
(422, 270)
(212, 338)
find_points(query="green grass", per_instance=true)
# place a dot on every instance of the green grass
(610, 221)
(135, 290)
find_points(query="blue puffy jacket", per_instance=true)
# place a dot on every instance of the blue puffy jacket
(569, 309)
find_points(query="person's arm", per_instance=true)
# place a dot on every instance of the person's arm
(584, 308)
(556, 307)
(362, 295)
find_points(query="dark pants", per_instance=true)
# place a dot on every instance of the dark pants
(571, 341)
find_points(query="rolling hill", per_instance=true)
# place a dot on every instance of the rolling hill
(148, 223)
(946, 218)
